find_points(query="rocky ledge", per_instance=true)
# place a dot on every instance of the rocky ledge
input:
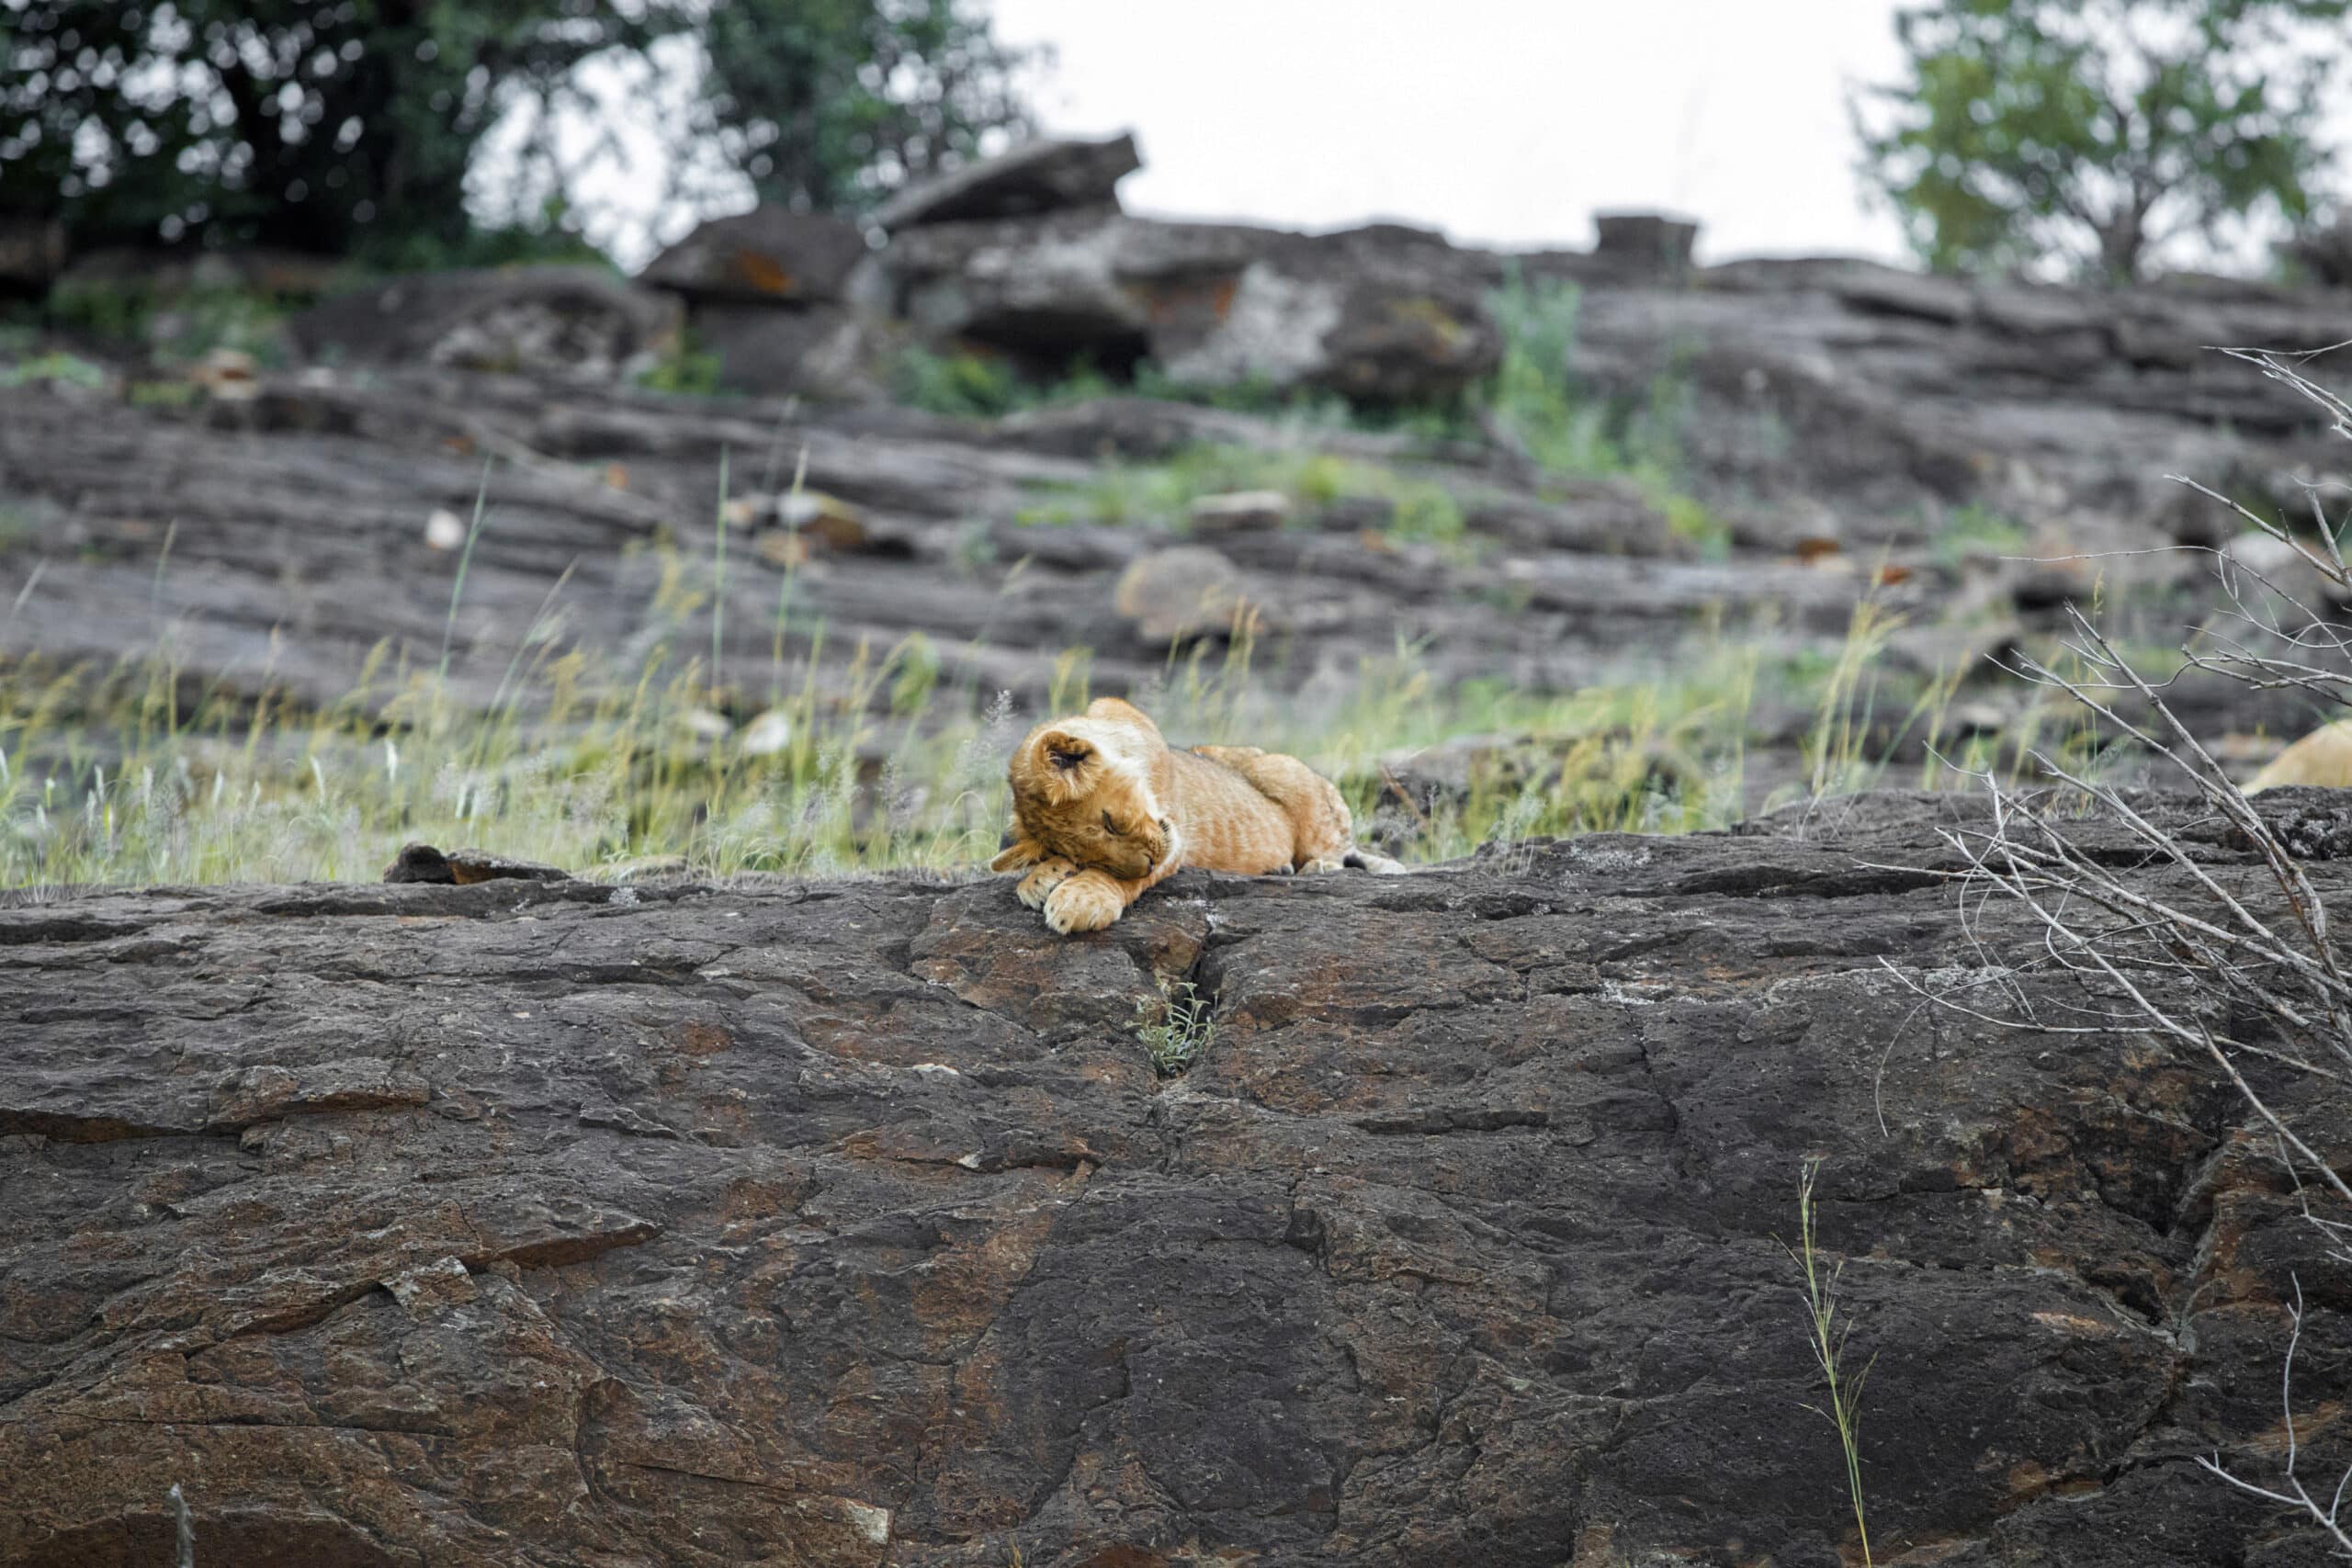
(849, 1222)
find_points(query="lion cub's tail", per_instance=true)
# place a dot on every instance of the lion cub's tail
(1364, 859)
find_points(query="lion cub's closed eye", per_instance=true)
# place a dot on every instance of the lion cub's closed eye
(1103, 809)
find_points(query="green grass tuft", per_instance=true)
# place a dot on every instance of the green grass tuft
(1175, 1027)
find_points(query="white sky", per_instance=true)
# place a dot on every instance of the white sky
(1504, 122)
(1500, 121)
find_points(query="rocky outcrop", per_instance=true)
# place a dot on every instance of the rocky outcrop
(1827, 425)
(981, 536)
(767, 256)
(560, 321)
(767, 292)
(848, 1223)
(1378, 315)
(1043, 174)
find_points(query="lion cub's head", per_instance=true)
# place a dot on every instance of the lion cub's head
(1083, 788)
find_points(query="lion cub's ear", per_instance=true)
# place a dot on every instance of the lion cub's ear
(1119, 712)
(1025, 852)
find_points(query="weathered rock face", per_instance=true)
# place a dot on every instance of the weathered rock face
(258, 589)
(767, 292)
(847, 1224)
(568, 323)
(1828, 412)
(765, 257)
(1381, 314)
(1885, 393)
(1048, 175)
(1877, 390)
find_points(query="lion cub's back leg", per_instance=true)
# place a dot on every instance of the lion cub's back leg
(1321, 832)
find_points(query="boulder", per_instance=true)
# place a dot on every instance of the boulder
(822, 351)
(1382, 314)
(564, 321)
(1240, 511)
(768, 255)
(463, 868)
(1048, 175)
(1173, 596)
(1645, 243)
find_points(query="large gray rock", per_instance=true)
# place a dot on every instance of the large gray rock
(1645, 244)
(821, 352)
(1044, 175)
(1384, 313)
(564, 321)
(848, 1223)
(767, 256)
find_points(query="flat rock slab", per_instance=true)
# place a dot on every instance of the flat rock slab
(1047, 175)
(848, 1223)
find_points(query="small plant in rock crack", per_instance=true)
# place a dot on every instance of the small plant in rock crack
(1174, 1026)
(1828, 1337)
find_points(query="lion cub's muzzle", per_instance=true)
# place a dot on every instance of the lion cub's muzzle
(1128, 847)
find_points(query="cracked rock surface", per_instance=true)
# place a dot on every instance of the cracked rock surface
(847, 1224)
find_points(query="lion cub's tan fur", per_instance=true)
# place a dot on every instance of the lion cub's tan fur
(1103, 809)
(2323, 757)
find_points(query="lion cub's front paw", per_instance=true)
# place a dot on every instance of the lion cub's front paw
(1084, 904)
(1043, 879)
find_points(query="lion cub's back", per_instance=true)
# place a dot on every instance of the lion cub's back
(1251, 811)
(2324, 758)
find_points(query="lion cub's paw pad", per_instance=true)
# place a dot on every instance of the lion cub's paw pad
(1042, 880)
(1081, 906)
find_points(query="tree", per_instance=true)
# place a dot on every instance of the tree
(348, 126)
(311, 124)
(830, 105)
(2099, 131)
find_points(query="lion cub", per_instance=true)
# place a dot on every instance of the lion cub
(1102, 809)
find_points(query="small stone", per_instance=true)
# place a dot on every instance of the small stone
(228, 374)
(639, 868)
(444, 530)
(705, 725)
(1975, 719)
(422, 863)
(1171, 596)
(2268, 556)
(1240, 512)
(828, 518)
(766, 734)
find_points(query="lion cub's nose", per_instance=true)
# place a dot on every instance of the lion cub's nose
(1068, 760)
